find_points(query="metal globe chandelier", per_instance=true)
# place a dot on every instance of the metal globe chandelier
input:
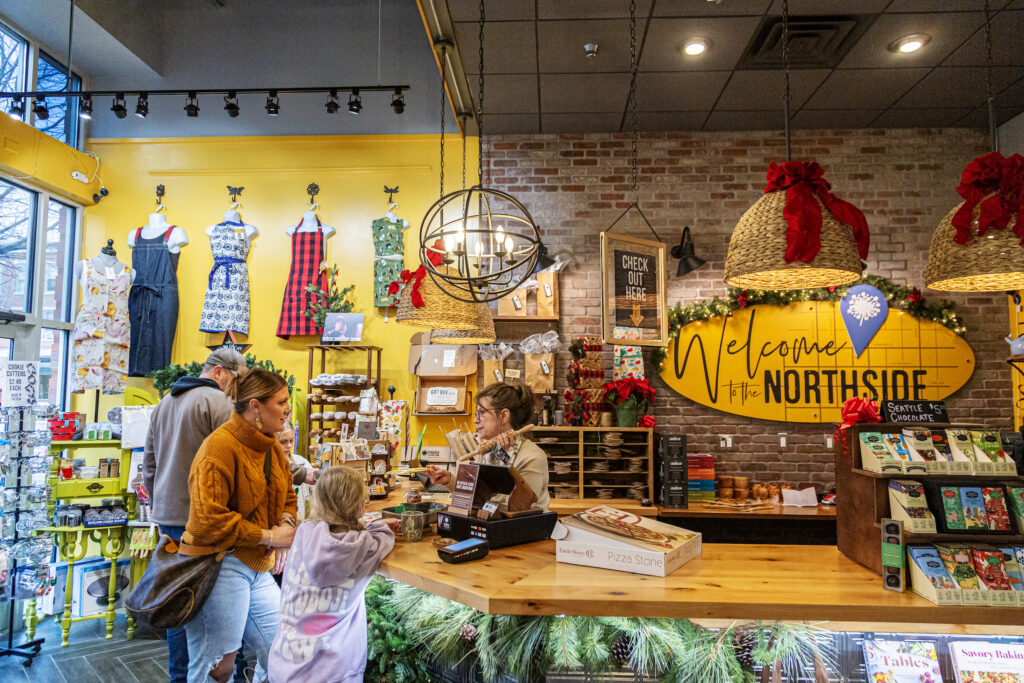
(487, 240)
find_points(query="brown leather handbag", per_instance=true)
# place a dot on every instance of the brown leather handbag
(179, 578)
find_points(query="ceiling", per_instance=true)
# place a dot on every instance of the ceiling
(539, 80)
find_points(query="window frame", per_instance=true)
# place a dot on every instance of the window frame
(26, 75)
(71, 107)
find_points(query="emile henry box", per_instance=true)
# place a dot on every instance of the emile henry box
(612, 539)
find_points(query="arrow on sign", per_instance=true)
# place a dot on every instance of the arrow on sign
(637, 316)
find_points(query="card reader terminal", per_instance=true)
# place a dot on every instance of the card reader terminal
(464, 551)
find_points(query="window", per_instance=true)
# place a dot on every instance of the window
(60, 250)
(52, 362)
(17, 216)
(62, 122)
(13, 50)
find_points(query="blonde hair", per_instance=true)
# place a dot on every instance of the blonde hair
(338, 498)
(256, 383)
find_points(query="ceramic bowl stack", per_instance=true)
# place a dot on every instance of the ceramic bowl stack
(336, 380)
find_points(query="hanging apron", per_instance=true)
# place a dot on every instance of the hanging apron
(307, 254)
(226, 305)
(152, 304)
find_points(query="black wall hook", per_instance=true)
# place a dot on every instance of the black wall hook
(312, 190)
(390, 192)
(234, 192)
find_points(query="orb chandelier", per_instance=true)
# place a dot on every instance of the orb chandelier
(490, 242)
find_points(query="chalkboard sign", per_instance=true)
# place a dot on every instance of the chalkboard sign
(634, 305)
(915, 411)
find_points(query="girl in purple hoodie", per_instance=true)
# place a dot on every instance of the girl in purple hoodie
(323, 615)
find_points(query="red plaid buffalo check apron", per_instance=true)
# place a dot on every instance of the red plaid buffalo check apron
(307, 254)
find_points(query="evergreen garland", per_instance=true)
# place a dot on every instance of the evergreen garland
(899, 297)
(407, 626)
(164, 378)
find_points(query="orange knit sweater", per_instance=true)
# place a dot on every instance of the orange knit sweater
(226, 483)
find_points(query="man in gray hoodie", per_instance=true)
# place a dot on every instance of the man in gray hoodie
(190, 412)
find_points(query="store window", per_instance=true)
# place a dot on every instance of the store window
(13, 50)
(58, 261)
(62, 122)
(17, 216)
(52, 363)
(6, 348)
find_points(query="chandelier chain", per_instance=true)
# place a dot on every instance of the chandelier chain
(462, 120)
(785, 70)
(632, 96)
(443, 107)
(480, 103)
(989, 93)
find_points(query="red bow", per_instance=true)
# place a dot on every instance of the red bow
(416, 276)
(855, 410)
(646, 421)
(995, 185)
(803, 181)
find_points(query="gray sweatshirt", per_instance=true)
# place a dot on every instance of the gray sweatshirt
(193, 409)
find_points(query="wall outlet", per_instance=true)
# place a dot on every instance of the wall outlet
(782, 440)
(724, 441)
(829, 441)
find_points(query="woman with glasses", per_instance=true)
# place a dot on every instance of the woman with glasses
(500, 408)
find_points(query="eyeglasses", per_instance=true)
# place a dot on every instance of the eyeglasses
(481, 411)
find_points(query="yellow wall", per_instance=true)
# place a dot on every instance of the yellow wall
(351, 172)
(27, 154)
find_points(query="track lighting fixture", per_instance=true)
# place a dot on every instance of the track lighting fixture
(17, 110)
(231, 103)
(273, 104)
(398, 101)
(118, 107)
(40, 110)
(192, 105)
(85, 108)
(332, 104)
(142, 107)
(355, 104)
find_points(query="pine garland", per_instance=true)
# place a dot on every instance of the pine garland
(407, 626)
(899, 297)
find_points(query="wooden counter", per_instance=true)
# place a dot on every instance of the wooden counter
(813, 583)
(822, 512)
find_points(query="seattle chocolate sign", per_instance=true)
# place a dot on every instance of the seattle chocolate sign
(796, 363)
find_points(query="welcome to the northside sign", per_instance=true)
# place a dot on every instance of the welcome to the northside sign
(795, 363)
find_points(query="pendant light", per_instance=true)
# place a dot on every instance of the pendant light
(489, 242)
(809, 249)
(483, 333)
(977, 246)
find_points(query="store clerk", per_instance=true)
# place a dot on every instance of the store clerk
(499, 408)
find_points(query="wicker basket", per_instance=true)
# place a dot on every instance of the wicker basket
(757, 251)
(991, 263)
(483, 333)
(439, 311)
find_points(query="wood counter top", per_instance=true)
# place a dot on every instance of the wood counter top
(813, 583)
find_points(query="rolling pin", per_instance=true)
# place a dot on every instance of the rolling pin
(486, 446)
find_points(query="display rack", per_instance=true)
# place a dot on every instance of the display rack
(372, 380)
(581, 449)
(864, 499)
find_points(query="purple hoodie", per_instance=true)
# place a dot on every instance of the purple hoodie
(323, 615)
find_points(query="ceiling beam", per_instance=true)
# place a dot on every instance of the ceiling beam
(438, 24)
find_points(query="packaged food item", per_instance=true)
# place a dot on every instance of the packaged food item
(952, 507)
(961, 445)
(987, 443)
(973, 503)
(1017, 506)
(1013, 570)
(959, 564)
(995, 508)
(875, 454)
(927, 558)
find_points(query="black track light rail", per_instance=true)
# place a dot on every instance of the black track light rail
(40, 94)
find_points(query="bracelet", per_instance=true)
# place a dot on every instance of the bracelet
(271, 544)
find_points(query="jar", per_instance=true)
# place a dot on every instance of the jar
(413, 495)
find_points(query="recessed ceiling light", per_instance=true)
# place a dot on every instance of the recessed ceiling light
(911, 43)
(695, 46)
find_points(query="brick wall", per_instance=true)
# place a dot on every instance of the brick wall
(903, 180)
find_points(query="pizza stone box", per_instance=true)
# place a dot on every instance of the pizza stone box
(607, 538)
(442, 372)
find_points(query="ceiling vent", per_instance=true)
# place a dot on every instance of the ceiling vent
(814, 42)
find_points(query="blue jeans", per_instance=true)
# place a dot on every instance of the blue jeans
(221, 625)
(177, 644)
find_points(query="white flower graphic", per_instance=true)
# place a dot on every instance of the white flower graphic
(863, 306)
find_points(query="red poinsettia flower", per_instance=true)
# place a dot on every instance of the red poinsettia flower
(623, 389)
(915, 296)
(832, 288)
(741, 299)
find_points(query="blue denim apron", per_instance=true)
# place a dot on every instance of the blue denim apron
(152, 304)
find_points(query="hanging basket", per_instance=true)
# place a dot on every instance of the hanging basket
(483, 333)
(993, 262)
(439, 311)
(757, 250)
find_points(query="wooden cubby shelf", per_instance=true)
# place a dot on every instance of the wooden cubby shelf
(585, 441)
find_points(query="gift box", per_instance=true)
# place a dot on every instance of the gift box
(627, 363)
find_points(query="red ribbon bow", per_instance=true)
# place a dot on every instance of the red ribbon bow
(416, 276)
(855, 410)
(803, 181)
(646, 421)
(995, 186)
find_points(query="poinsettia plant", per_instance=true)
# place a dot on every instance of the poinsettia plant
(638, 391)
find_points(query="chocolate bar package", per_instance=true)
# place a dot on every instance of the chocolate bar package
(919, 441)
(958, 562)
(952, 508)
(898, 445)
(988, 565)
(1017, 506)
(941, 445)
(995, 508)
(961, 445)
(875, 454)
(989, 444)
(927, 558)
(973, 503)
(909, 505)
(1013, 571)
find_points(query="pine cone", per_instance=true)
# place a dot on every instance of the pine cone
(744, 641)
(468, 633)
(621, 649)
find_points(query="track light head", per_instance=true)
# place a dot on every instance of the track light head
(192, 105)
(355, 104)
(273, 104)
(142, 107)
(333, 105)
(40, 109)
(17, 110)
(118, 107)
(231, 104)
(85, 107)
(398, 101)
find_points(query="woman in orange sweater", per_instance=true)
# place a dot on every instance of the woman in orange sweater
(241, 497)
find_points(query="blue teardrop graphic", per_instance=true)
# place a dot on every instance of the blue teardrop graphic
(864, 310)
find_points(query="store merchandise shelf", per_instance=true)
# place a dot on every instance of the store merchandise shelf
(935, 477)
(85, 443)
(981, 536)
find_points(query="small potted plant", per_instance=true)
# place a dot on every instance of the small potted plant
(335, 300)
(630, 397)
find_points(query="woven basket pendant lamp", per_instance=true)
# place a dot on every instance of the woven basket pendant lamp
(438, 310)
(791, 238)
(979, 245)
(483, 333)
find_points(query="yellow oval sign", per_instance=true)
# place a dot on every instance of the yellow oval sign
(795, 363)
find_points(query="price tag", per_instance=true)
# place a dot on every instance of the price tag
(497, 375)
(490, 508)
(110, 272)
(544, 367)
(449, 359)
(547, 290)
(19, 383)
(512, 374)
(516, 302)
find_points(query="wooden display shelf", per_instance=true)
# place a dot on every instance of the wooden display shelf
(934, 477)
(988, 538)
(700, 510)
(584, 448)
(373, 367)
